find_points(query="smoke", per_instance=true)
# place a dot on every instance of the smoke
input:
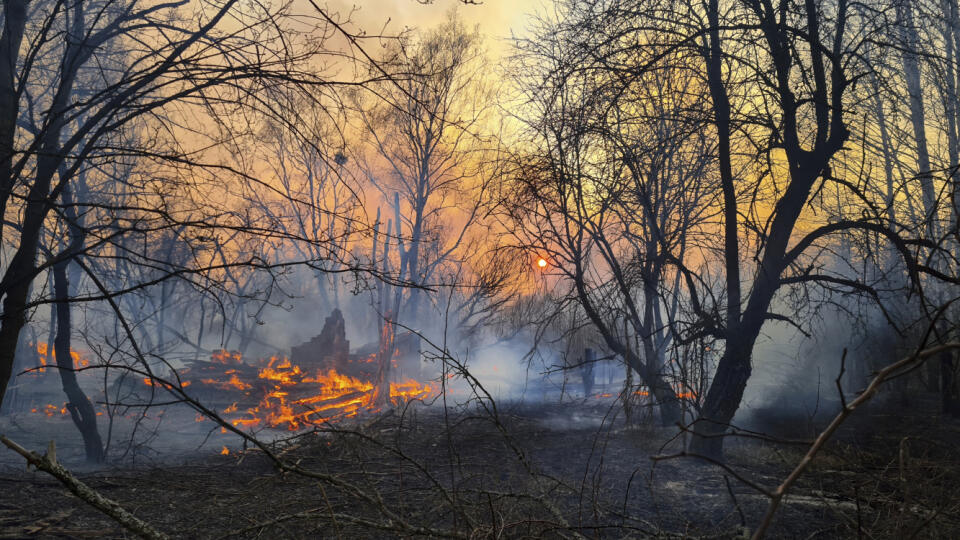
(503, 370)
(795, 376)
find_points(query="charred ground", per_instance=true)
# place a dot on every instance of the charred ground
(558, 470)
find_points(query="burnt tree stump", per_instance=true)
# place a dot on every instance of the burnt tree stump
(329, 350)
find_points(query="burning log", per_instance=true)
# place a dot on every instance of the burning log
(278, 393)
(224, 371)
(269, 393)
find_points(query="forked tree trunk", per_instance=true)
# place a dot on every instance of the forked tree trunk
(81, 409)
(17, 280)
(723, 397)
(742, 325)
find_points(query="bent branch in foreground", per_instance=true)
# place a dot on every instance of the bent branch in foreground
(777, 495)
(48, 464)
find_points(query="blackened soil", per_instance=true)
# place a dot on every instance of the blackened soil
(563, 470)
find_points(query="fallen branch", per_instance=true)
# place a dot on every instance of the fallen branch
(776, 497)
(48, 464)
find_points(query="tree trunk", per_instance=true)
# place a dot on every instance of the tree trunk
(949, 384)
(628, 394)
(13, 320)
(14, 19)
(886, 148)
(81, 409)
(911, 72)
(953, 26)
(381, 388)
(17, 280)
(723, 397)
(733, 370)
(586, 371)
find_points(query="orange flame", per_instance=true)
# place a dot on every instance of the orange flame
(226, 357)
(284, 404)
(679, 394)
(292, 399)
(48, 356)
(150, 382)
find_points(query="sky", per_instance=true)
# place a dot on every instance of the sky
(496, 18)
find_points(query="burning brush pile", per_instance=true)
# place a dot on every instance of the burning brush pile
(321, 382)
(276, 393)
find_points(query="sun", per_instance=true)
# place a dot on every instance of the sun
(541, 262)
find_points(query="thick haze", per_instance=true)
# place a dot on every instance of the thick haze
(497, 19)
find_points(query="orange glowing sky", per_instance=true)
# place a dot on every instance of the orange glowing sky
(496, 18)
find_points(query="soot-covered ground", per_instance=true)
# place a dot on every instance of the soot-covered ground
(562, 470)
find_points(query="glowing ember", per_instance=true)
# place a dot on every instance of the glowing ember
(150, 382)
(50, 410)
(237, 383)
(646, 393)
(226, 357)
(680, 395)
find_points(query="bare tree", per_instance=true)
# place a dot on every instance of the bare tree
(87, 85)
(618, 186)
(779, 81)
(427, 147)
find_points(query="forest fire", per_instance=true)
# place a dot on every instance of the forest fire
(281, 394)
(670, 269)
(50, 410)
(267, 393)
(48, 356)
(677, 393)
